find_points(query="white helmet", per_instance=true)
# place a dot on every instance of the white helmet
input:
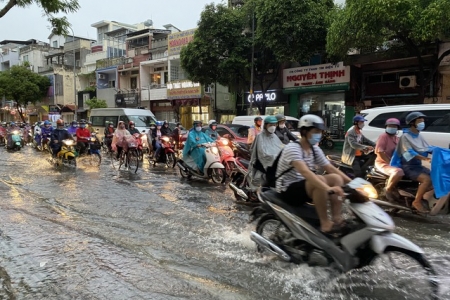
(311, 121)
(212, 121)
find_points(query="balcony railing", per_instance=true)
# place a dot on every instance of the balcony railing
(110, 62)
(45, 69)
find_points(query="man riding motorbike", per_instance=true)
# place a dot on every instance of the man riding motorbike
(176, 135)
(254, 130)
(412, 149)
(12, 127)
(211, 131)
(165, 130)
(89, 126)
(297, 182)
(193, 147)
(386, 144)
(57, 136)
(83, 136)
(282, 131)
(109, 133)
(132, 128)
(355, 148)
(73, 128)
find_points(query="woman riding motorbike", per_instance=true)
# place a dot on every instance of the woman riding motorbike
(211, 131)
(120, 136)
(193, 147)
(156, 136)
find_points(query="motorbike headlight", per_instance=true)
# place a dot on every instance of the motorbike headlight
(15, 132)
(215, 150)
(368, 191)
(68, 142)
(92, 139)
(166, 139)
(224, 142)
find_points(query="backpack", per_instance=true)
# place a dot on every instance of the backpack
(270, 175)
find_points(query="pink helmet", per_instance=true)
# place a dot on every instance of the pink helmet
(393, 121)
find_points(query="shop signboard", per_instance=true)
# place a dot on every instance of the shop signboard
(177, 40)
(184, 90)
(326, 77)
(272, 97)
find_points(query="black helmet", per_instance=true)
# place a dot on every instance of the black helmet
(413, 116)
(258, 119)
(280, 117)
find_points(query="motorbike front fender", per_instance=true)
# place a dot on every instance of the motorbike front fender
(229, 159)
(216, 165)
(379, 243)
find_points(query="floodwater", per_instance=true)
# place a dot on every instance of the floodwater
(99, 233)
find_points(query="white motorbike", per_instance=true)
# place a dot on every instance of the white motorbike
(213, 169)
(296, 235)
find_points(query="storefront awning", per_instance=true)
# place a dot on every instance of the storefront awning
(69, 108)
(82, 110)
(318, 88)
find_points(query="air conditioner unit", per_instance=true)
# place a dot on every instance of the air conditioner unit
(101, 76)
(208, 89)
(407, 82)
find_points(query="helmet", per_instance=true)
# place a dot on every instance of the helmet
(89, 122)
(120, 122)
(270, 120)
(82, 122)
(308, 121)
(47, 122)
(74, 122)
(212, 123)
(60, 122)
(392, 121)
(280, 117)
(257, 119)
(159, 123)
(414, 116)
(131, 123)
(12, 124)
(178, 124)
(165, 122)
(358, 119)
(197, 123)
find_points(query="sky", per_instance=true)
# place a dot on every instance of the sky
(28, 23)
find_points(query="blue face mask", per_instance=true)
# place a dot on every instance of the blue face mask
(391, 130)
(315, 138)
(420, 126)
(198, 129)
(83, 126)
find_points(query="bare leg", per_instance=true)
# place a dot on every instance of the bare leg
(320, 198)
(394, 179)
(336, 204)
(425, 185)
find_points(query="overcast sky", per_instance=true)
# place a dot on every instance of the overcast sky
(24, 24)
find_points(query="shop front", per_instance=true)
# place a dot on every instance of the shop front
(277, 103)
(321, 90)
(188, 102)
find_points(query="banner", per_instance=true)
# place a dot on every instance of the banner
(184, 90)
(178, 40)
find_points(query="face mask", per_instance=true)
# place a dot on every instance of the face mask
(420, 126)
(83, 126)
(122, 126)
(282, 126)
(198, 129)
(153, 128)
(391, 130)
(271, 129)
(158, 127)
(361, 126)
(111, 126)
(315, 138)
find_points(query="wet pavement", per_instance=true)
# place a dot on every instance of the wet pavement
(98, 233)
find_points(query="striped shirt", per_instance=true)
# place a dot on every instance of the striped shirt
(294, 152)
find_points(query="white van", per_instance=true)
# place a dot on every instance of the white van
(141, 117)
(291, 122)
(437, 122)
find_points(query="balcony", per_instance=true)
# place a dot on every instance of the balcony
(159, 93)
(110, 62)
(45, 69)
(159, 44)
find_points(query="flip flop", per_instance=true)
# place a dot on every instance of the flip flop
(335, 230)
(419, 208)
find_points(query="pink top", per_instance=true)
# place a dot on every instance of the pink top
(386, 143)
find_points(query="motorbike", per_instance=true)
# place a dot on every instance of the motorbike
(241, 150)
(407, 190)
(42, 143)
(226, 155)
(67, 155)
(239, 183)
(213, 169)
(336, 161)
(297, 237)
(167, 153)
(326, 141)
(15, 142)
(92, 151)
(2, 138)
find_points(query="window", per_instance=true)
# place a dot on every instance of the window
(222, 131)
(101, 121)
(112, 84)
(380, 120)
(437, 120)
(139, 121)
(240, 130)
(25, 58)
(133, 83)
(55, 44)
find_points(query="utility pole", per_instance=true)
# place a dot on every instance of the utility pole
(74, 78)
(253, 58)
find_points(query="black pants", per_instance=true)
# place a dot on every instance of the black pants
(362, 163)
(82, 146)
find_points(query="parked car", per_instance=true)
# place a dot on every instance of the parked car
(437, 122)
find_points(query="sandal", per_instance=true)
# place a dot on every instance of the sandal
(335, 230)
(419, 208)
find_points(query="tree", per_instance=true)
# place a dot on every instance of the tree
(96, 103)
(23, 86)
(50, 9)
(389, 25)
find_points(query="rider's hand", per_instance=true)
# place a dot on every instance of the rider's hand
(199, 145)
(428, 159)
(337, 190)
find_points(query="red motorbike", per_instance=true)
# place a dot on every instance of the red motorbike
(3, 137)
(167, 153)
(226, 155)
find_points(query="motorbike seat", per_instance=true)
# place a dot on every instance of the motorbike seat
(244, 162)
(306, 211)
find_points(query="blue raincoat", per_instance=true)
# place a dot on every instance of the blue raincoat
(440, 171)
(197, 153)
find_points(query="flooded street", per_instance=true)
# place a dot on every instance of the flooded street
(98, 233)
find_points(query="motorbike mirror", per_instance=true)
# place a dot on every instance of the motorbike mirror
(143, 131)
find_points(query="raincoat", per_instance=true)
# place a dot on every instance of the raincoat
(72, 130)
(354, 142)
(196, 153)
(409, 146)
(120, 138)
(265, 149)
(440, 171)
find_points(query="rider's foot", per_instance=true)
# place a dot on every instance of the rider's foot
(419, 207)
(391, 196)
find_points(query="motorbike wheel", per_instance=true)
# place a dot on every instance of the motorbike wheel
(218, 175)
(270, 228)
(133, 160)
(229, 167)
(415, 265)
(171, 160)
(329, 144)
(185, 174)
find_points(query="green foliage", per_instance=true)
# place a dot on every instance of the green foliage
(90, 89)
(96, 103)
(372, 23)
(51, 9)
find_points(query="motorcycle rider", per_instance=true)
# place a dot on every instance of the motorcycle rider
(89, 126)
(355, 148)
(83, 136)
(413, 149)
(254, 130)
(26, 132)
(3, 132)
(156, 135)
(73, 128)
(176, 135)
(119, 141)
(12, 127)
(132, 128)
(297, 183)
(265, 150)
(46, 131)
(37, 131)
(211, 131)
(58, 135)
(193, 147)
(282, 131)
(165, 130)
(384, 149)
(109, 133)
